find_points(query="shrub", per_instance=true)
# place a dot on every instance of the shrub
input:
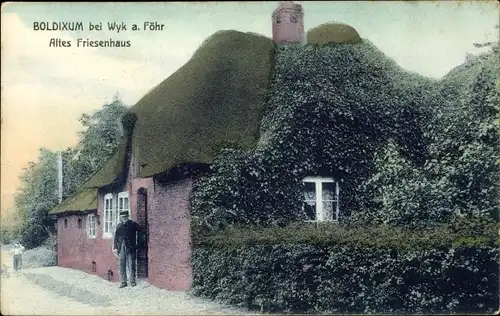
(348, 279)
(34, 235)
(331, 234)
(39, 257)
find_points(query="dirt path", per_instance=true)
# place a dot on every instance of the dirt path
(62, 291)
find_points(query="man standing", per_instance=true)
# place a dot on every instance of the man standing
(125, 247)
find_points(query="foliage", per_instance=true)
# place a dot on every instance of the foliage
(460, 175)
(322, 118)
(10, 226)
(402, 195)
(417, 163)
(36, 195)
(349, 279)
(38, 191)
(461, 232)
(98, 142)
(39, 257)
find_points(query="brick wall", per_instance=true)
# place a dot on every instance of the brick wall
(286, 31)
(77, 251)
(169, 235)
(169, 243)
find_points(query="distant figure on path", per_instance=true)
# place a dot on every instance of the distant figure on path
(125, 248)
(17, 252)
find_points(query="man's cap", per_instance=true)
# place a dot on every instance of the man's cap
(123, 212)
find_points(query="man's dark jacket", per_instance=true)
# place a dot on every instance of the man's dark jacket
(126, 232)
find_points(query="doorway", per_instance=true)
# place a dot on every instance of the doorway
(143, 237)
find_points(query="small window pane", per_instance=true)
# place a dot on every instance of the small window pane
(120, 205)
(328, 191)
(310, 200)
(310, 211)
(329, 210)
(310, 193)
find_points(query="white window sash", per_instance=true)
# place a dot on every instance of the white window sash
(91, 226)
(320, 215)
(109, 208)
(123, 197)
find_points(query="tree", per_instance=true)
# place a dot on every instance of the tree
(36, 195)
(38, 191)
(97, 143)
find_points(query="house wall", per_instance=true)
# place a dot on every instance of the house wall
(169, 241)
(77, 251)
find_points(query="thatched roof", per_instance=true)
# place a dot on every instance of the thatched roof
(215, 100)
(83, 200)
(333, 33)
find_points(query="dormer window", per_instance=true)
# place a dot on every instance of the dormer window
(321, 199)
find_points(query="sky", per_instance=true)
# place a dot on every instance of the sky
(44, 90)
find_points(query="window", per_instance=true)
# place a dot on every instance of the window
(278, 19)
(108, 215)
(293, 18)
(110, 275)
(123, 204)
(321, 199)
(65, 223)
(79, 223)
(91, 224)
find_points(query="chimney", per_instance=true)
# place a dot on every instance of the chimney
(288, 23)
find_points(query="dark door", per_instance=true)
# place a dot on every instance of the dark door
(142, 220)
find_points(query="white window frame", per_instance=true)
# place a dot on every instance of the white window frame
(121, 196)
(108, 221)
(318, 181)
(92, 226)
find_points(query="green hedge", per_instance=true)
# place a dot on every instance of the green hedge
(348, 279)
(457, 234)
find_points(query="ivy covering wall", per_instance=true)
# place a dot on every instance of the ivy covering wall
(323, 118)
(410, 154)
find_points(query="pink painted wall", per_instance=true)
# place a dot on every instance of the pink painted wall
(170, 239)
(76, 250)
(286, 31)
(169, 245)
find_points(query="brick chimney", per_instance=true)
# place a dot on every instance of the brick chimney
(288, 23)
